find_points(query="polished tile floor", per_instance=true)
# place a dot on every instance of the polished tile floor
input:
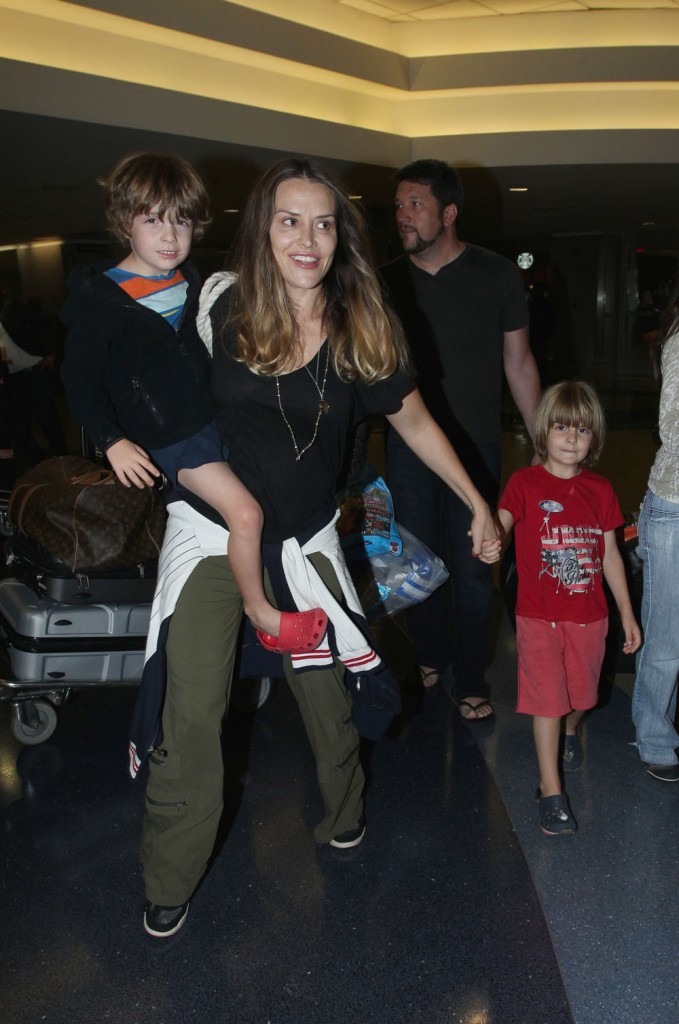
(454, 910)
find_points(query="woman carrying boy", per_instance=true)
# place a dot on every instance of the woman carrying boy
(136, 372)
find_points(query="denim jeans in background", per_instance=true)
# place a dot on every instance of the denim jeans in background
(434, 514)
(654, 699)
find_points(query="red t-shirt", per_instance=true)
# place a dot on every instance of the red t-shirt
(559, 528)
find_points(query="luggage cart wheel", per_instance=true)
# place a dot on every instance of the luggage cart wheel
(33, 721)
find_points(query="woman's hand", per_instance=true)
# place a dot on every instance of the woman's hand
(131, 464)
(486, 543)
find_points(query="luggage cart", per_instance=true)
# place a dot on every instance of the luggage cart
(51, 648)
(62, 631)
(58, 635)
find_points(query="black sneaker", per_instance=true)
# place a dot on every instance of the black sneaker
(555, 815)
(571, 759)
(161, 922)
(664, 772)
(352, 837)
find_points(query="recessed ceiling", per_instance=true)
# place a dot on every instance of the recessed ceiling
(436, 10)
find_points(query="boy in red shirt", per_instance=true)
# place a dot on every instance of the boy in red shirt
(565, 518)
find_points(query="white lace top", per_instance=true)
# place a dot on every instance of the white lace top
(664, 478)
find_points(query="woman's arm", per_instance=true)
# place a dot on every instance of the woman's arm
(425, 438)
(614, 574)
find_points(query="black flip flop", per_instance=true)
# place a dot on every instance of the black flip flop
(425, 675)
(475, 707)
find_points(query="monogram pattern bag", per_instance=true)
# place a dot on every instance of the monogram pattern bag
(82, 515)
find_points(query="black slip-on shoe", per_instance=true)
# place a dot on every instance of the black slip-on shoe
(161, 922)
(664, 772)
(352, 837)
(555, 815)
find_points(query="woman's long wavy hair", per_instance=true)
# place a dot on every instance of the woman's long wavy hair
(366, 338)
(669, 325)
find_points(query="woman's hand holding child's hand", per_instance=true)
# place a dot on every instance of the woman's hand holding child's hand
(131, 464)
(486, 543)
(490, 551)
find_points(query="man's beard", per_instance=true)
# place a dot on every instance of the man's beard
(422, 244)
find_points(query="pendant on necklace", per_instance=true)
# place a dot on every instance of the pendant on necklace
(323, 406)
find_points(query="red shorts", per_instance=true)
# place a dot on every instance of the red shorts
(559, 665)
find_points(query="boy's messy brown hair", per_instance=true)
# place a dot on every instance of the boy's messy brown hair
(574, 404)
(146, 181)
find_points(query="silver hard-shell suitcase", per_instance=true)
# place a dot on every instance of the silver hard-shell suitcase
(48, 649)
(48, 641)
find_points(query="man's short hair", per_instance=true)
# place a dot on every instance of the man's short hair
(443, 180)
(146, 181)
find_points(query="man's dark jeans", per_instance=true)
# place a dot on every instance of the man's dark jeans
(452, 627)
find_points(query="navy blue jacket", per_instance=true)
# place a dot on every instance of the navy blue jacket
(127, 373)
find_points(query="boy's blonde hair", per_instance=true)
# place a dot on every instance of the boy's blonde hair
(147, 181)
(575, 404)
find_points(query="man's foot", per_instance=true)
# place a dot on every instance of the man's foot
(572, 756)
(429, 677)
(161, 922)
(475, 709)
(664, 772)
(555, 815)
(352, 837)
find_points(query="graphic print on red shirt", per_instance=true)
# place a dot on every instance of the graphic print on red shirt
(559, 528)
(569, 554)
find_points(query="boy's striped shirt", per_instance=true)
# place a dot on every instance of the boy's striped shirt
(164, 294)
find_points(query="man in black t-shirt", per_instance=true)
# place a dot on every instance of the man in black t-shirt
(465, 315)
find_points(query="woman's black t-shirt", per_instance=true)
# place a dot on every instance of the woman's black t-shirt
(295, 495)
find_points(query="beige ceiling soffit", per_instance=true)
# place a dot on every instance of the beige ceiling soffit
(48, 34)
(551, 31)
(581, 107)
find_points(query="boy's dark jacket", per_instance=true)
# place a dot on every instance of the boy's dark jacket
(126, 372)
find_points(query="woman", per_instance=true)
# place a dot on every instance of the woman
(654, 701)
(302, 350)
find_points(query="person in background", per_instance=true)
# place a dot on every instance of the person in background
(564, 519)
(654, 700)
(466, 320)
(135, 370)
(29, 352)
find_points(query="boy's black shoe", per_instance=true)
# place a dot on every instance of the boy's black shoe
(161, 922)
(352, 837)
(555, 815)
(664, 772)
(571, 759)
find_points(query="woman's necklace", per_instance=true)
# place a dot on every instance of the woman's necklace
(322, 404)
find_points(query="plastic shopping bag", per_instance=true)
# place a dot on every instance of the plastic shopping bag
(389, 582)
(366, 525)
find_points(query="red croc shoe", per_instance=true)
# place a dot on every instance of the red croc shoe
(300, 632)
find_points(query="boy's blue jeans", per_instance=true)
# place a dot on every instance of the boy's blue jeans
(655, 691)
